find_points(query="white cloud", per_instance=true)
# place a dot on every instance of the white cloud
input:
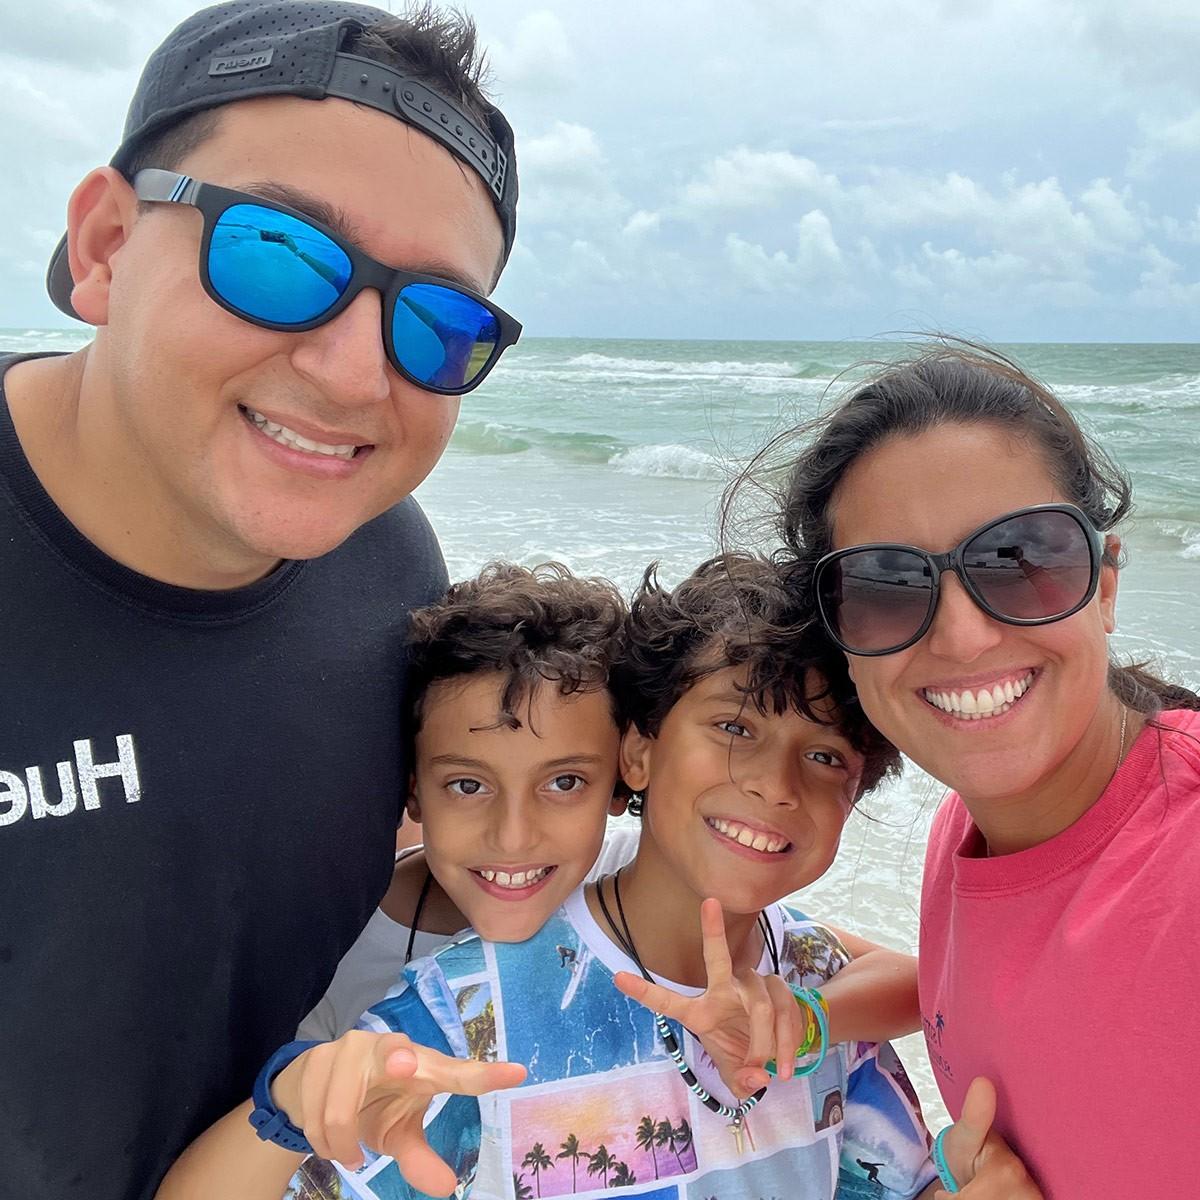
(964, 273)
(1164, 139)
(538, 57)
(747, 179)
(566, 180)
(1187, 232)
(816, 260)
(642, 222)
(1112, 212)
(1160, 285)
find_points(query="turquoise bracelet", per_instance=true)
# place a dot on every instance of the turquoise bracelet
(812, 1000)
(939, 1161)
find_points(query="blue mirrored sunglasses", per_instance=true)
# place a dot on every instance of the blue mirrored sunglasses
(275, 267)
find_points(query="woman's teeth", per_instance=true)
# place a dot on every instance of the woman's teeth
(517, 879)
(983, 703)
(755, 839)
(287, 437)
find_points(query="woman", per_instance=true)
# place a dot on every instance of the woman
(957, 527)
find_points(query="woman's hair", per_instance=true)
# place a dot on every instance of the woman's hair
(528, 625)
(737, 610)
(956, 382)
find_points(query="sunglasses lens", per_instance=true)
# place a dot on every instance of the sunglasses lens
(443, 338)
(1035, 566)
(273, 267)
(875, 600)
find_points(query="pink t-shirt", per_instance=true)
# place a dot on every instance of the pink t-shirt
(1070, 975)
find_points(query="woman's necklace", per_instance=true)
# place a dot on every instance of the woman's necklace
(736, 1115)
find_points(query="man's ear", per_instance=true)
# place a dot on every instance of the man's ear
(636, 749)
(100, 216)
(412, 805)
(1107, 589)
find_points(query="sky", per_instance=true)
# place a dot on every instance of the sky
(1017, 170)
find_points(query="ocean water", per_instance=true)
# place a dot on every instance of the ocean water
(607, 455)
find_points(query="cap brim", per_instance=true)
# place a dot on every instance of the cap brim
(59, 283)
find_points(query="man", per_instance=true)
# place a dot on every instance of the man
(207, 552)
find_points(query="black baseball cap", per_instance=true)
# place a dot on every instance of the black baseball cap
(248, 48)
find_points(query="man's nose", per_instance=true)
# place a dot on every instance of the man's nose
(345, 358)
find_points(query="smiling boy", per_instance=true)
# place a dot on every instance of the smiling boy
(511, 792)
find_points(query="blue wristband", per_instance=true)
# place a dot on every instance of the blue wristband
(269, 1123)
(812, 999)
(939, 1161)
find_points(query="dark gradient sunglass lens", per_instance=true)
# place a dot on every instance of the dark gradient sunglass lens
(443, 338)
(876, 599)
(274, 267)
(1034, 566)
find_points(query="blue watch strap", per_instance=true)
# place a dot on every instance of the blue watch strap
(269, 1123)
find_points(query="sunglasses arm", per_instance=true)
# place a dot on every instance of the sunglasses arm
(167, 186)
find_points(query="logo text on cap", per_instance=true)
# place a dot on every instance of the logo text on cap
(237, 63)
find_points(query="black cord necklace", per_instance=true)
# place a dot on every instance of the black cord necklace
(416, 917)
(624, 937)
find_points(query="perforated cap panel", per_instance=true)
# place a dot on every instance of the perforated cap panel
(247, 48)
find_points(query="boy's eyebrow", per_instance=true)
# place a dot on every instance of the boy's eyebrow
(569, 760)
(730, 695)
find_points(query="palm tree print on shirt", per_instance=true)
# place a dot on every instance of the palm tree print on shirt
(537, 1160)
(574, 1151)
(646, 1137)
(601, 1163)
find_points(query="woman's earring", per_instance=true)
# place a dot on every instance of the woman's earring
(637, 803)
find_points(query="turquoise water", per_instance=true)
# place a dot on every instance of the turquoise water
(609, 454)
(606, 455)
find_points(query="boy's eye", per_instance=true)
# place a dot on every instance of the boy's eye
(733, 728)
(465, 787)
(826, 758)
(567, 783)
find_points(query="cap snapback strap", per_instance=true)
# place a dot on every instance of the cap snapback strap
(365, 81)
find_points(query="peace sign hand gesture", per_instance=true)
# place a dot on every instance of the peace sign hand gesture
(742, 1018)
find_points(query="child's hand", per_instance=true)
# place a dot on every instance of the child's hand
(374, 1088)
(983, 1165)
(742, 1019)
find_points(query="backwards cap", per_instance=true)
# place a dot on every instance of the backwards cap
(248, 48)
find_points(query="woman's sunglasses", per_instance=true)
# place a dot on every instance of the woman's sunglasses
(1029, 567)
(275, 267)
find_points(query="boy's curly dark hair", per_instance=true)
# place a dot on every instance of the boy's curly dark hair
(737, 610)
(529, 624)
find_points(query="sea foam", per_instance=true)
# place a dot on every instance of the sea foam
(667, 461)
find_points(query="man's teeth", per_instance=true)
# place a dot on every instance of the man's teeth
(983, 703)
(288, 437)
(755, 839)
(517, 879)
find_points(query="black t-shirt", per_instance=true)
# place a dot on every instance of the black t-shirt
(198, 800)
